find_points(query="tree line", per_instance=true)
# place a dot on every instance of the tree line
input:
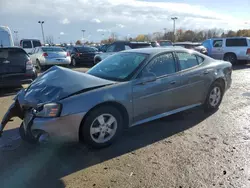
(182, 35)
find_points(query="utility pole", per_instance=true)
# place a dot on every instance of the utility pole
(42, 22)
(174, 18)
(83, 31)
(16, 37)
(165, 33)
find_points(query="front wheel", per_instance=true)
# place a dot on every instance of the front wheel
(102, 126)
(214, 97)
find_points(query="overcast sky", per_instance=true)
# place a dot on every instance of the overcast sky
(64, 19)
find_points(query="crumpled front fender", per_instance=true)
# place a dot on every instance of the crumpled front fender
(15, 110)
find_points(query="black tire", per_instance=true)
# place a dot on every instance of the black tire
(208, 107)
(98, 60)
(73, 62)
(39, 66)
(91, 118)
(231, 58)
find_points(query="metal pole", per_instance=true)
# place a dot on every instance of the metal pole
(41, 23)
(83, 35)
(16, 37)
(174, 18)
(165, 34)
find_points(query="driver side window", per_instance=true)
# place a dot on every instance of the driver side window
(161, 65)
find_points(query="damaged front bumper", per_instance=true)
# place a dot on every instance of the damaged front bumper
(37, 129)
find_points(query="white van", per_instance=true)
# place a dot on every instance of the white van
(6, 39)
(29, 44)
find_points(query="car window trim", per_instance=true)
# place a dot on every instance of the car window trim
(152, 58)
(179, 68)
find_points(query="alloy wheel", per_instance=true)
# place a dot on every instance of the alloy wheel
(103, 128)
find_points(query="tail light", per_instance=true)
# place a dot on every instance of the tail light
(248, 51)
(45, 55)
(78, 54)
(29, 65)
(68, 54)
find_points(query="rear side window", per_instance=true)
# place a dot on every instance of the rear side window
(13, 56)
(187, 60)
(200, 59)
(27, 44)
(236, 42)
(36, 43)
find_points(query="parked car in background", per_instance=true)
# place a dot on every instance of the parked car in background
(15, 67)
(120, 46)
(229, 49)
(192, 45)
(6, 39)
(43, 57)
(155, 44)
(127, 89)
(82, 55)
(29, 44)
(164, 43)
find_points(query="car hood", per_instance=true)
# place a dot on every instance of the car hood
(58, 83)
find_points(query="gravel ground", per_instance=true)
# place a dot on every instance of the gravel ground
(189, 149)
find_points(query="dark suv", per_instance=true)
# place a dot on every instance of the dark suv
(16, 67)
(82, 55)
(120, 46)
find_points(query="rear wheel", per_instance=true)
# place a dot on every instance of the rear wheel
(214, 97)
(73, 62)
(102, 126)
(231, 58)
(39, 66)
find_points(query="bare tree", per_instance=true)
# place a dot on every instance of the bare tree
(49, 39)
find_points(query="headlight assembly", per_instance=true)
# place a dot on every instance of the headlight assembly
(49, 110)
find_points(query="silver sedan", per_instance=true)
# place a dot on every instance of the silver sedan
(124, 90)
(49, 55)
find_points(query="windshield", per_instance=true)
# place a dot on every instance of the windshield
(52, 49)
(118, 67)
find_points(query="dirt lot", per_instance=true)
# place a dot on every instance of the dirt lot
(190, 149)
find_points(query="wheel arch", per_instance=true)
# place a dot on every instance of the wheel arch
(120, 107)
(228, 53)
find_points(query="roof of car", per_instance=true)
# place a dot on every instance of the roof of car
(156, 50)
(131, 42)
(190, 43)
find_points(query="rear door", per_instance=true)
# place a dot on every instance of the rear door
(193, 79)
(12, 61)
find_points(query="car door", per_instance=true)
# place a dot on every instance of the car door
(157, 96)
(217, 49)
(193, 78)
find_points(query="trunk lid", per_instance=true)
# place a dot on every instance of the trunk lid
(12, 60)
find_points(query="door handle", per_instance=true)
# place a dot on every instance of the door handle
(173, 82)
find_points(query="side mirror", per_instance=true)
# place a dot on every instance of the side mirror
(29, 53)
(147, 77)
